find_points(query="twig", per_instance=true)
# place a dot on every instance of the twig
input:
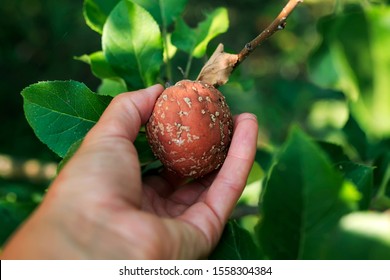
(278, 24)
(218, 68)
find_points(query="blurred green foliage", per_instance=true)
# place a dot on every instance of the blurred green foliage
(327, 72)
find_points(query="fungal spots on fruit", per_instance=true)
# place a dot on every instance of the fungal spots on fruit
(197, 127)
(178, 142)
(187, 100)
(161, 127)
(192, 173)
(182, 113)
(185, 128)
(169, 128)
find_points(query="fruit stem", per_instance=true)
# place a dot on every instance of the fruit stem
(278, 24)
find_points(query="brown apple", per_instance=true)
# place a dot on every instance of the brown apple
(190, 128)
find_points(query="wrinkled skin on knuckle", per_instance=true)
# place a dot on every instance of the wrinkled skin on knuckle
(190, 128)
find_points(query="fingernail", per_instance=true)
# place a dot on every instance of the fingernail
(249, 116)
(156, 87)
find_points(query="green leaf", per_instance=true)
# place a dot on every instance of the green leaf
(304, 199)
(356, 137)
(96, 12)
(69, 154)
(334, 152)
(382, 174)
(354, 57)
(236, 243)
(112, 87)
(256, 174)
(145, 154)
(111, 84)
(195, 40)
(99, 65)
(362, 177)
(62, 112)
(132, 45)
(11, 216)
(165, 12)
(360, 236)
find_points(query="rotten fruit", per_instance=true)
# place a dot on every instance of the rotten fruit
(190, 128)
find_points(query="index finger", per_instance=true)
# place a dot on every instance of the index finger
(231, 179)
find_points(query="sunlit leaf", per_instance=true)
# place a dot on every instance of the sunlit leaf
(62, 112)
(362, 177)
(236, 243)
(354, 58)
(360, 236)
(304, 199)
(112, 87)
(195, 40)
(256, 173)
(96, 12)
(164, 12)
(99, 65)
(132, 45)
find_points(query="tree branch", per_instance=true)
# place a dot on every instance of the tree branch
(278, 24)
(218, 68)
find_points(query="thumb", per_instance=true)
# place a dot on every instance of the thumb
(107, 149)
(125, 114)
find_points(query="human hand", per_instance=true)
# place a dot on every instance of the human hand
(99, 206)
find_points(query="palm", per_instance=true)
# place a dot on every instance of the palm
(179, 217)
(168, 198)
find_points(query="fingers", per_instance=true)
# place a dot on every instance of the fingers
(231, 179)
(125, 114)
